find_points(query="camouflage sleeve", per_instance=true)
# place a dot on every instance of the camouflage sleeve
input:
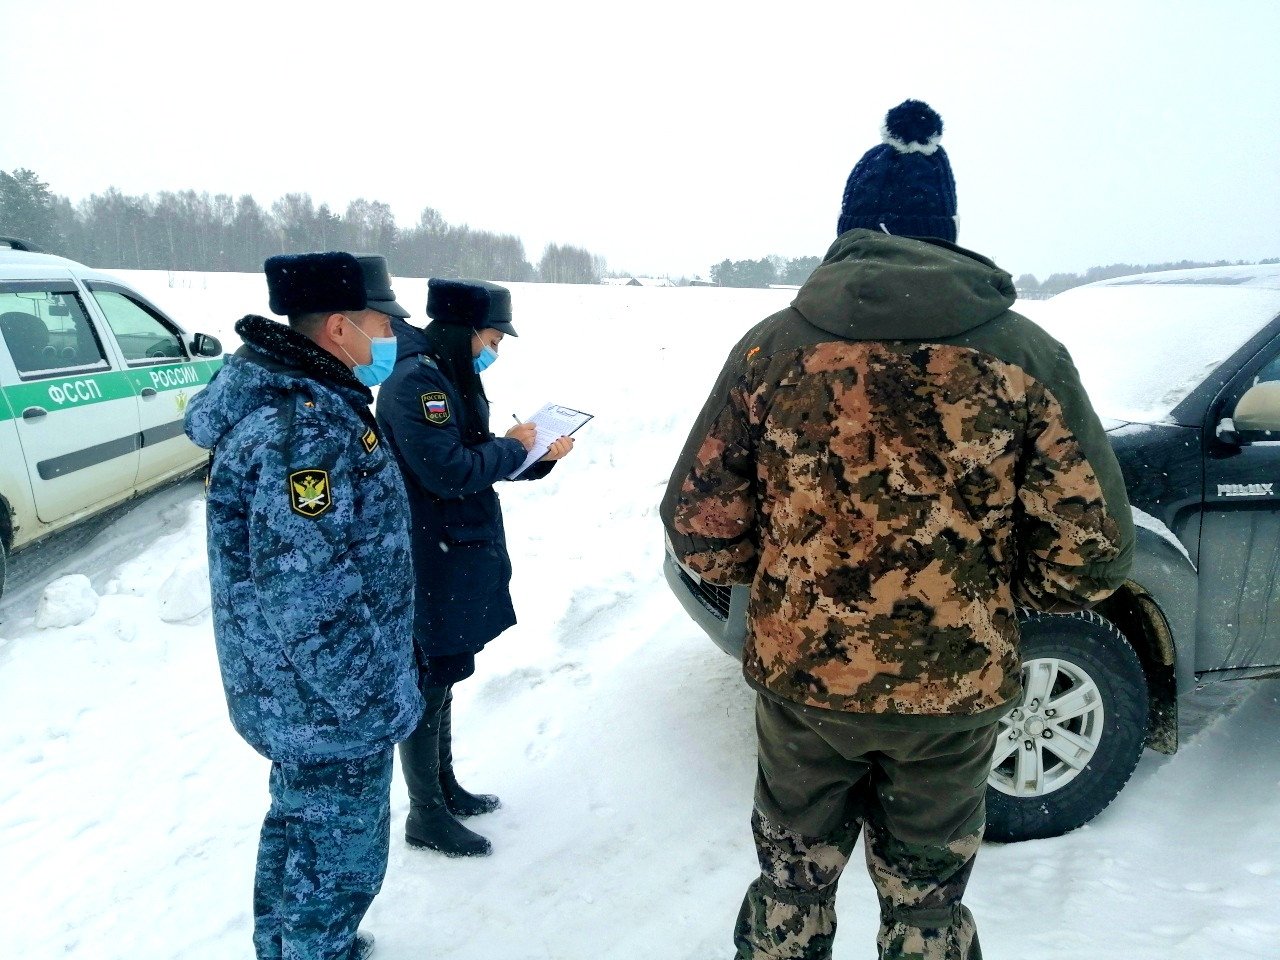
(709, 509)
(301, 520)
(1075, 529)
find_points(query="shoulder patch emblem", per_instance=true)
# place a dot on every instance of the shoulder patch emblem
(435, 407)
(309, 492)
(369, 441)
(752, 352)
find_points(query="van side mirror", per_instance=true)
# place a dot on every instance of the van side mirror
(203, 345)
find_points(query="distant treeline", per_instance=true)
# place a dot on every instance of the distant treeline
(1029, 288)
(197, 231)
(763, 273)
(778, 270)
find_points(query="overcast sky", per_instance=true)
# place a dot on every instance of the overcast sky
(669, 136)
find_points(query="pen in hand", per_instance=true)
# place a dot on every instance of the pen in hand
(526, 433)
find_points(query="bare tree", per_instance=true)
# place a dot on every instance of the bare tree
(569, 265)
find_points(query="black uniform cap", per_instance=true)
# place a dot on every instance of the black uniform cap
(470, 303)
(377, 285)
(315, 282)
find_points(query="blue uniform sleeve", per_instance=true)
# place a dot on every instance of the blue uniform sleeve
(301, 524)
(420, 412)
(538, 470)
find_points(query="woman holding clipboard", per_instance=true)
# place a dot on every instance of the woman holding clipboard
(434, 415)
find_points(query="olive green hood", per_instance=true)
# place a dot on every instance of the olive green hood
(873, 286)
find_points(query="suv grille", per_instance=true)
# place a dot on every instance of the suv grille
(715, 598)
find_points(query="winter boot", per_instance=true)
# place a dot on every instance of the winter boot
(362, 949)
(461, 803)
(430, 825)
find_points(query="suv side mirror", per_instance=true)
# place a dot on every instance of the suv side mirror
(1259, 409)
(1227, 433)
(203, 345)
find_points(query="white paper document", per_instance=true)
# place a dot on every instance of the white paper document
(553, 422)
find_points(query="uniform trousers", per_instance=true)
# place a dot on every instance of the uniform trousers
(918, 797)
(321, 857)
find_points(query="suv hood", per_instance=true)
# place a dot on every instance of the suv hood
(873, 286)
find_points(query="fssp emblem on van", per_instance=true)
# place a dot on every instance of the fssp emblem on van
(1244, 489)
(309, 492)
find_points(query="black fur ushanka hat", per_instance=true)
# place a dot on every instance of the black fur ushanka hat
(314, 282)
(471, 303)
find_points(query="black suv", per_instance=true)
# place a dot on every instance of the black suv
(1184, 367)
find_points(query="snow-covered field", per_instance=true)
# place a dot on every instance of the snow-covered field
(618, 736)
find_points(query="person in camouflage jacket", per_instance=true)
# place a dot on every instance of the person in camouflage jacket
(895, 463)
(309, 559)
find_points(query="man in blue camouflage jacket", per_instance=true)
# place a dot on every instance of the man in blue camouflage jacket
(312, 599)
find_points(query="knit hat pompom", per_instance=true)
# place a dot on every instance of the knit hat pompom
(912, 127)
(903, 185)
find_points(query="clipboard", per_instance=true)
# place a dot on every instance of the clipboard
(552, 422)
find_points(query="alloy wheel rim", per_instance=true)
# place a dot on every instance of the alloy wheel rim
(1052, 735)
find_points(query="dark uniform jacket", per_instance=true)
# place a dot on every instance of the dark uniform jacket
(308, 548)
(894, 462)
(460, 561)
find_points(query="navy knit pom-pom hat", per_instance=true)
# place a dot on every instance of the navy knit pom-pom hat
(904, 185)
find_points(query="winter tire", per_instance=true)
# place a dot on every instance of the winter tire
(1076, 735)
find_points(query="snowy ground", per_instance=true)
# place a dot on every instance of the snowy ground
(618, 736)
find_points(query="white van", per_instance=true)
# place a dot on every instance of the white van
(94, 383)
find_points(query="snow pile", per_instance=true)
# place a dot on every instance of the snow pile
(185, 593)
(67, 602)
(620, 739)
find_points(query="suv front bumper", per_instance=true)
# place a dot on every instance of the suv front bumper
(720, 611)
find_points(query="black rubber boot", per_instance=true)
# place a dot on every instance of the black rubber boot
(430, 825)
(362, 949)
(460, 802)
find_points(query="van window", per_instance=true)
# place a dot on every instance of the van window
(48, 332)
(143, 337)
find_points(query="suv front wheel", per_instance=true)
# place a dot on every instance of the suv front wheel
(1076, 735)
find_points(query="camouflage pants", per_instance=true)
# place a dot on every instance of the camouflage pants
(918, 799)
(321, 857)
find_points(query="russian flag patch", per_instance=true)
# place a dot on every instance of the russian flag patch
(435, 407)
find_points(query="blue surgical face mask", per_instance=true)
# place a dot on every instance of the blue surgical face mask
(382, 360)
(485, 360)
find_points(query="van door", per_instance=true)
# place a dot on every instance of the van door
(20, 524)
(164, 376)
(76, 413)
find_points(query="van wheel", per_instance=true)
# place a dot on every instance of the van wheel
(1075, 737)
